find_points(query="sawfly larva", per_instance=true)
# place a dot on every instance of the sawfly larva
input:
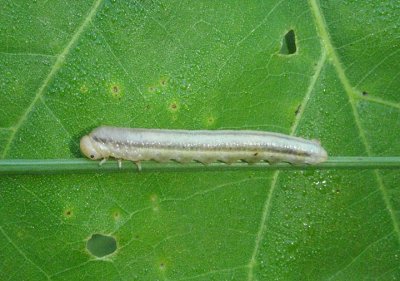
(204, 146)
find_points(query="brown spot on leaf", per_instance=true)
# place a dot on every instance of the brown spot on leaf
(68, 213)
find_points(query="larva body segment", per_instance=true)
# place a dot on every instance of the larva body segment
(199, 145)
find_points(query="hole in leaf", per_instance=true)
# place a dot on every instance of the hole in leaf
(364, 93)
(289, 43)
(100, 245)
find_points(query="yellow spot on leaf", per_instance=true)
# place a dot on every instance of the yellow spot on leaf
(83, 89)
(115, 90)
(210, 120)
(68, 213)
(116, 215)
(174, 106)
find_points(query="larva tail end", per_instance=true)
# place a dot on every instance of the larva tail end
(320, 157)
(324, 155)
(316, 141)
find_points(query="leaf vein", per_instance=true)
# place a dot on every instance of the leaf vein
(23, 254)
(376, 66)
(326, 40)
(353, 260)
(58, 120)
(211, 272)
(29, 54)
(268, 202)
(54, 70)
(247, 36)
(116, 58)
(381, 101)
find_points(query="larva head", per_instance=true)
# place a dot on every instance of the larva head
(88, 149)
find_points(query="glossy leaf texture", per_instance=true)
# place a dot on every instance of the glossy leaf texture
(326, 70)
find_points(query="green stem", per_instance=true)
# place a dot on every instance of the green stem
(59, 166)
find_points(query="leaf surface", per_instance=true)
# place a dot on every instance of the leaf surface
(68, 67)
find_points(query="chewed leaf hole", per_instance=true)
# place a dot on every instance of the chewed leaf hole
(289, 43)
(100, 245)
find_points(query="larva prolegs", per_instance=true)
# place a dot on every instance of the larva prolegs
(205, 161)
(182, 159)
(138, 165)
(104, 160)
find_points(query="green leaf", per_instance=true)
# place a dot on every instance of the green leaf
(67, 67)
